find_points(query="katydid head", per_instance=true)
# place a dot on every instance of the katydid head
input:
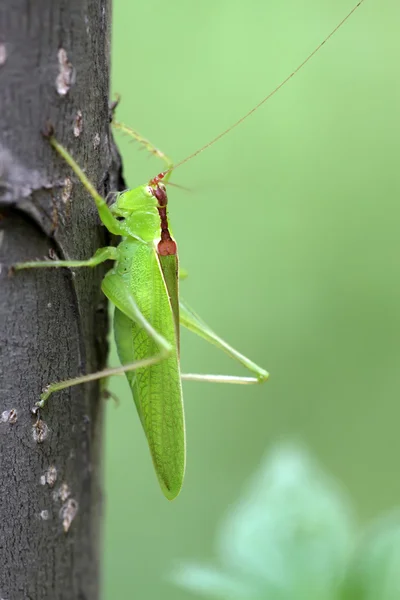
(141, 198)
(144, 210)
(133, 201)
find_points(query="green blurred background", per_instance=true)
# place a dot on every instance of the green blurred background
(290, 234)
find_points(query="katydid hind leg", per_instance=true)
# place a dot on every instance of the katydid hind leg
(194, 323)
(119, 294)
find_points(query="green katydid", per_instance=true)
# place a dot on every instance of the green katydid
(143, 286)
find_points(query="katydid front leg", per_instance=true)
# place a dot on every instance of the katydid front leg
(135, 135)
(105, 214)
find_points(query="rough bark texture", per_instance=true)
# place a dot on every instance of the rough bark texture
(54, 66)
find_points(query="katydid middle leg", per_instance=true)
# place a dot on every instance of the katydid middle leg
(100, 256)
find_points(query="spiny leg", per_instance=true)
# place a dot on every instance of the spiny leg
(149, 146)
(100, 256)
(144, 142)
(120, 295)
(192, 321)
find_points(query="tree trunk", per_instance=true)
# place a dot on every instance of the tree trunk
(54, 67)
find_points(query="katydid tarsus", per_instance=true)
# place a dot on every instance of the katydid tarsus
(143, 287)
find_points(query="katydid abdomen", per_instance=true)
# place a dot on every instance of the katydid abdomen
(156, 390)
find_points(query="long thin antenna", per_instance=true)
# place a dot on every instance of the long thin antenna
(248, 114)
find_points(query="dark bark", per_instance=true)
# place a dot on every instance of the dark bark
(54, 66)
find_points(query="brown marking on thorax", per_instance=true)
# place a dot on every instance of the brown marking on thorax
(166, 246)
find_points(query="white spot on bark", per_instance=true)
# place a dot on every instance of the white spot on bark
(78, 124)
(68, 513)
(62, 493)
(49, 477)
(49, 305)
(9, 416)
(66, 75)
(40, 431)
(3, 54)
(67, 191)
(96, 141)
(86, 19)
(16, 180)
(103, 17)
(44, 514)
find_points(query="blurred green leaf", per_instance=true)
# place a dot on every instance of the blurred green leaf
(374, 572)
(288, 537)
